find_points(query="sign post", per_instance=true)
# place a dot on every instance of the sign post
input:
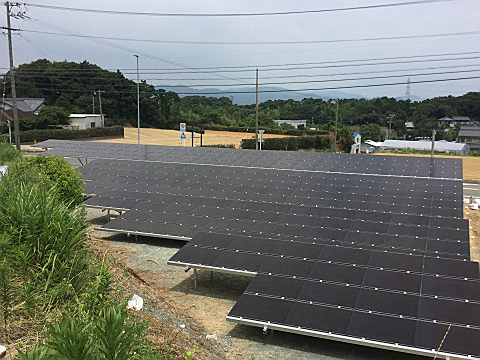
(183, 128)
(260, 139)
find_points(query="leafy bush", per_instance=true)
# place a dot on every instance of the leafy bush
(42, 245)
(224, 146)
(8, 154)
(110, 335)
(290, 143)
(63, 134)
(59, 173)
(294, 132)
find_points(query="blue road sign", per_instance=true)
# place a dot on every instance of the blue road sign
(183, 136)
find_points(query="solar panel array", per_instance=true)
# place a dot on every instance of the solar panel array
(363, 249)
(402, 299)
(285, 160)
(181, 200)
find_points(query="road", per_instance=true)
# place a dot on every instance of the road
(471, 190)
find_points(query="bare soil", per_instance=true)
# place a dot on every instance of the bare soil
(172, 137)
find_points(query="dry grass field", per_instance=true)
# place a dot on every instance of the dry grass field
(172, 137)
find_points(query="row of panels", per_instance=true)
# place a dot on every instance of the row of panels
(269, 176)
(443, 208)
(384, 297)
(440, 168)
(361, 240)
(272, 185)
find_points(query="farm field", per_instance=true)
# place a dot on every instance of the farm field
(172, 137)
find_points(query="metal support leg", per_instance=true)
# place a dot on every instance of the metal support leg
(195, 278)
(211, 276)
(136, 238)
(108, 214)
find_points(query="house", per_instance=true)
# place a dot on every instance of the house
(455, 121)
(470, 134)
(295, 123)
(447, 147)
(409, 125)
(84, 121)
(7, 115)
(28, 105)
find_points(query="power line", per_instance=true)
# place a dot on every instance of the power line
(286, 82)
(235, 43)
(288, 64)
(27, 74)
(336, 64)
(285, 90)
(297, 12)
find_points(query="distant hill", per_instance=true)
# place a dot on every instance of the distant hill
(247, 95)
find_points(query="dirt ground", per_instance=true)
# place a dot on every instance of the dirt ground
(172, 137)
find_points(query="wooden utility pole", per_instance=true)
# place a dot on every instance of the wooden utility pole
(336, 125)
(12, 75)
(101, 113)
(256, 114)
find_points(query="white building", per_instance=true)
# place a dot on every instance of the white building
(448, 147)
(85, 121)
(295, 123)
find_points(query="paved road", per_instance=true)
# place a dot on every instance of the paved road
(471, 190)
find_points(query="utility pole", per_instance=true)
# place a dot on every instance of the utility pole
(336, 125)
(3, 104)
(256, 114)
(101, 112)
(433, 143)
(390, 117)
(12, 75)
(138, 101)
(93, 105)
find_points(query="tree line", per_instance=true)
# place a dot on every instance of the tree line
(70, 87)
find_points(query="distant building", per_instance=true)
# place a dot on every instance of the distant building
(7, 115)
(357, 142)
(84, 121)
(409, 125)
(470, 134)
(448, 147)
(28, 105)
(455, 121)
(295, 123)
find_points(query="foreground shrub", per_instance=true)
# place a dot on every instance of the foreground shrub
(290, 143)
(58, 172)
(8, 154)
(62, 134)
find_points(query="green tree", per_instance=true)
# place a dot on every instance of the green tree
(52, 115)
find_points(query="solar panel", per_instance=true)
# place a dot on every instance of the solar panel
(363, 249)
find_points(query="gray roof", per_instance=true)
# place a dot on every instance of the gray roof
(424, 145)
(26, 104)
(461, 118)
(446, 119)
(473, 131)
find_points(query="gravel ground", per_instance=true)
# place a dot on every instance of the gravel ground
(211, 302)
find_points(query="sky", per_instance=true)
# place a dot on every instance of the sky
(447, 17)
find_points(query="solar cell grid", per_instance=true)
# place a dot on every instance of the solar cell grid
(335, 195)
